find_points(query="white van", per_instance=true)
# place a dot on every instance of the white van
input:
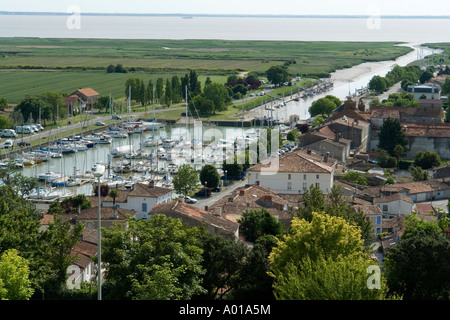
(8, 133)
(8, 144)
(24, 129)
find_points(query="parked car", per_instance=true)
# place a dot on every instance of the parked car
(99, 123)
(188, 199)
(8, 144)
(38, 126)
(203, 193)
(116, 117)
(218, 189)
(23, 144)
(8, 133)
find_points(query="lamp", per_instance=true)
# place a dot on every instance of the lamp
(98, 173)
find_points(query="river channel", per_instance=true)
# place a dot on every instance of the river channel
(346, 82)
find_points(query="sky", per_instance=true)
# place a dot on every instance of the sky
(272, 7)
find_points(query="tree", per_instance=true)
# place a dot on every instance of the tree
(3, 104)
(103, 103)
(277, 74)
(427, 159)
(445, 88)
(14, 277)
(5, 122)
(426, 75)
(186, 180)
(256, 223)
(418, 174)
(168, 93)
(328, 279)
(378, 84)
(152, 259)
(337, 102)
(416, 267)
(159, 89)
(322, 106)
(391, 135)
(110, 69)
(56, 103)
(30, 107)
(218, 94)
(209, 176)
(114, 193)
(323, 238)
(292, 135)
(355, 177)
(335, 204)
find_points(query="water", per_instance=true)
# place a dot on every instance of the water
(227, 28)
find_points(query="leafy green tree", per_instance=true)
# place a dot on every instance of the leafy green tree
(14, 277)
(3, 104)
(176, 90)
(30, 107)
(256, 223)
(328, 279)
(209, 176)
(233, 168)
(186, 180)
(277, 74)
(355, 177)
(378, 84)
(445, 88)
(195, 87)
(292, 135)
(5, 122)
(322, 106)
(416, 267)
(110, 69)
(168, 93)
(152, 259)
(218, 94)
(103, 103)
(223, 260)
(56, 104)
(337, 102)
(427, 159)
(159, 89)
(418, 174)
(426, 76)
(391, 135)
(334, 204)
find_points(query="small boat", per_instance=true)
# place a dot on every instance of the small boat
(60, 182)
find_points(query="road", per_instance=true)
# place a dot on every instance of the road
(215, 196)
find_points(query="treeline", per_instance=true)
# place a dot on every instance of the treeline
(203, 99)
(407, 75)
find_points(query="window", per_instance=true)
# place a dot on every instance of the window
(304, 177)
(378, 230)
(317, 185)
(317, 176)
(378, 219)
(289, 185)
(385, 207)
(305, 186)
(144, 207)
(289, 176)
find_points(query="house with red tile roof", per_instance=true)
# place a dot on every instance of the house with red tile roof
(87, 97)
(196, 217)
(294, 172)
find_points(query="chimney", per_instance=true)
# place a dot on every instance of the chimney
(181, 199)
(218, 211)
(206, 208)
(241, 192)
(114, 215)
(257, 182)
(151, 184)
(325, 158)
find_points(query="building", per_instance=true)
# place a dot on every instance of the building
(140, 199)
(353, 129)
(255, 197)
(87, 97)
(108, 216)
(428, 137)
(324, 141)
(196, 217)
(83, 269)
(372, 213)
(294, 172)
(429, 91)
(395, 205)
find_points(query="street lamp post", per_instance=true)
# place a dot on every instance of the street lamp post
(98, 173)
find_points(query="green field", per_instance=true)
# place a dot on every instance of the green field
(31, 66)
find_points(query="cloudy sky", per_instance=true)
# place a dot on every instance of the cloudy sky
(295, 7)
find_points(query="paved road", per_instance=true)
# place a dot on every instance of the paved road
(215, 196)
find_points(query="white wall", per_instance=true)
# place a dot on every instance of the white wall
(279, 181)
(397, 207)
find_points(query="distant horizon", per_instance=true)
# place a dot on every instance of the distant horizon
(225, 15)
